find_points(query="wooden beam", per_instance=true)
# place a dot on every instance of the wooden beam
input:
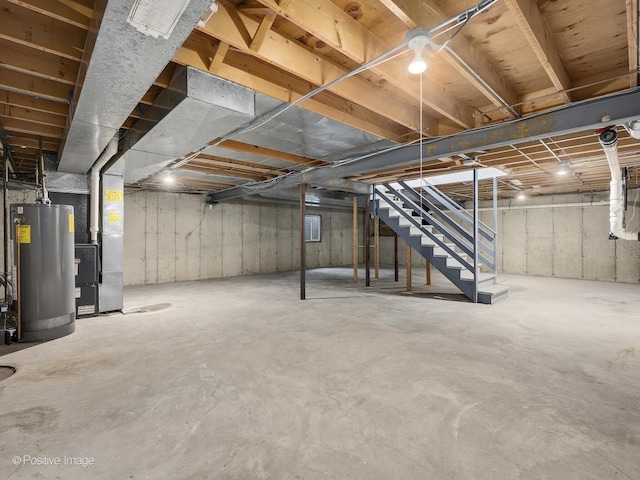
(328, 22)
(261, 33)
(537, 32)
(428, 14)
(25, 27)
(19, 82)
(27, 115)
(37, 63)
(218, 58)
(300, 61)
(269, 153)
(74, 13)
(12, 99)
(240, 165)
(632, 40)
(268, 80)
(22, 126)
(190, 167)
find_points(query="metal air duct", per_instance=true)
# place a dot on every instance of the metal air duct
(122, 64)
(196, 108)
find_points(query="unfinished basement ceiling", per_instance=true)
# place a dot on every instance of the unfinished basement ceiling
(533, 56)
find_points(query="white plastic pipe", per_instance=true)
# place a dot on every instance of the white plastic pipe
(609, 142)
(94, 217)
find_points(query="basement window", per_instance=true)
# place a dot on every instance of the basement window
(312, 228)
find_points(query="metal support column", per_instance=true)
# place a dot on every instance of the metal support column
(476, 240)
(395, 257)
(355, 239)
(367, 243)
(303, 243)
(495, 229)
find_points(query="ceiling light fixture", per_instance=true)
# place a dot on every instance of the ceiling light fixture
(417, 40)
(168, 178)
(521, 195)
(563, 168)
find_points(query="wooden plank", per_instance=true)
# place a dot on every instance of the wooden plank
(74, 13)
(12, 99)
(240, 165)
(29, 85)
(190, 167)
(428, 14)
(537, 33)
(269, 153)
(300, 61)
(23, 26)
(632, 40)
(261, 33)
(20, 113)
(39, 64)
(218, 58)
(23, 126)
(332, 25)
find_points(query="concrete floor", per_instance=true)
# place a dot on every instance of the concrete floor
(237, 379)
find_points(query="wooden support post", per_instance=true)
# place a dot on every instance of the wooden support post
(303, 243)
(395, 256)
(355, 239)
(428, 271)
(376, 246)
(367, 243)
(408, 267)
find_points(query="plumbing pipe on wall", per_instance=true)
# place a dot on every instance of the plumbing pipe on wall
(609, 141)
(94, 216)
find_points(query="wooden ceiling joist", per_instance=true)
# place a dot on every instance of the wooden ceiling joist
(77, 13)
(427, 13)
(34, 30)
(294, 58)
(632, 40)
(536, 30)
(326, 21)
(270, 153)
(263, 78)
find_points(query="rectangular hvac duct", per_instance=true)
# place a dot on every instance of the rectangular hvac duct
(121, 64)
(196, 108)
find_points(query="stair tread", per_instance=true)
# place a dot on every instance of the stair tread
(493, 289)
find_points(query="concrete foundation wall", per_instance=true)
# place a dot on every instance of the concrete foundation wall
(567, 242)
(562, 241)
(177, 237)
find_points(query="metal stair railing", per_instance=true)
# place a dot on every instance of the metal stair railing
(431, 220)
(486, 252)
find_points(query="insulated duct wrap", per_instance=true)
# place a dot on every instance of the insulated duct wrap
(609, 141)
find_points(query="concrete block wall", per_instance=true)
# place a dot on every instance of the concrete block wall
(177, 237)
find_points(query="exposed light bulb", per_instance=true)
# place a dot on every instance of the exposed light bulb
(563, 170)
(168, 178)
(521, 196)
(417, 65)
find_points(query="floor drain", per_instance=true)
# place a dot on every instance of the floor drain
(6, 372)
